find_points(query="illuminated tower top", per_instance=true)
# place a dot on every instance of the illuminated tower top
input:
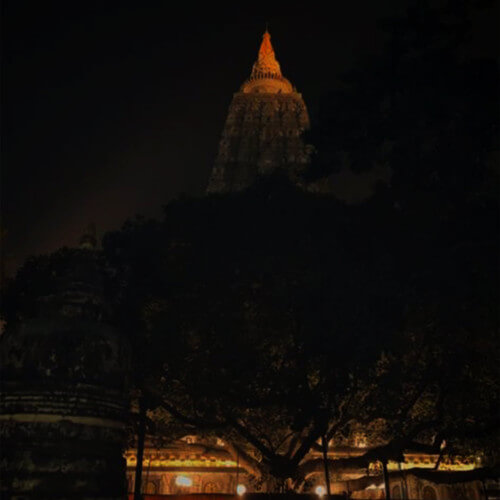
(263, 129)
(266, 74)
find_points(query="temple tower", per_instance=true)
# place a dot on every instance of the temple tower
(263, 128)
(64, 389)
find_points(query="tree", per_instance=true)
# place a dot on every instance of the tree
(275, 317)
(426, 108)
(269, 324)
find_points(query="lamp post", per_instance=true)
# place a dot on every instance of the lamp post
(140, 448)
(324, 443)
(386, 480)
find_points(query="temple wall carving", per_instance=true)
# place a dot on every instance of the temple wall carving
(262, 134)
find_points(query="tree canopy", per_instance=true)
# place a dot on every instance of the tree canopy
(286, 316)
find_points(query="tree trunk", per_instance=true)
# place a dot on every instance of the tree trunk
(386, 481)
(324, 444)
(141, 435)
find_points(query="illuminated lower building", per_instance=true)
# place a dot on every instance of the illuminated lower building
(188, 467)
(193, 466)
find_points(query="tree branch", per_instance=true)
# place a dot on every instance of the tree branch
(248, 462)
(307, 442)
(200, 424)
(244, 432)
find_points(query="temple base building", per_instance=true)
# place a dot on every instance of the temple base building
(193, 465)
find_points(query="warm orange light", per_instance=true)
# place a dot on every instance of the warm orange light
(165, 461)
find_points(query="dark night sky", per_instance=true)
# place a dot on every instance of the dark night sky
(113, 108)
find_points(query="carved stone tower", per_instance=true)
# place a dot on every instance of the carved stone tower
(263, 128)
(64, 389)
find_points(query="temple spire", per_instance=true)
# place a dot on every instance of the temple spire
(266, 64)
(263, 130)
(266, 49)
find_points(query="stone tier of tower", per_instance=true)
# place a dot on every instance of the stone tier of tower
(263, 129)
(64, 395)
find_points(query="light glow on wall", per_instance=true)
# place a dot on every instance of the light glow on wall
(162, 460)
(241, 489)
(429, 461)
(183, 481)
